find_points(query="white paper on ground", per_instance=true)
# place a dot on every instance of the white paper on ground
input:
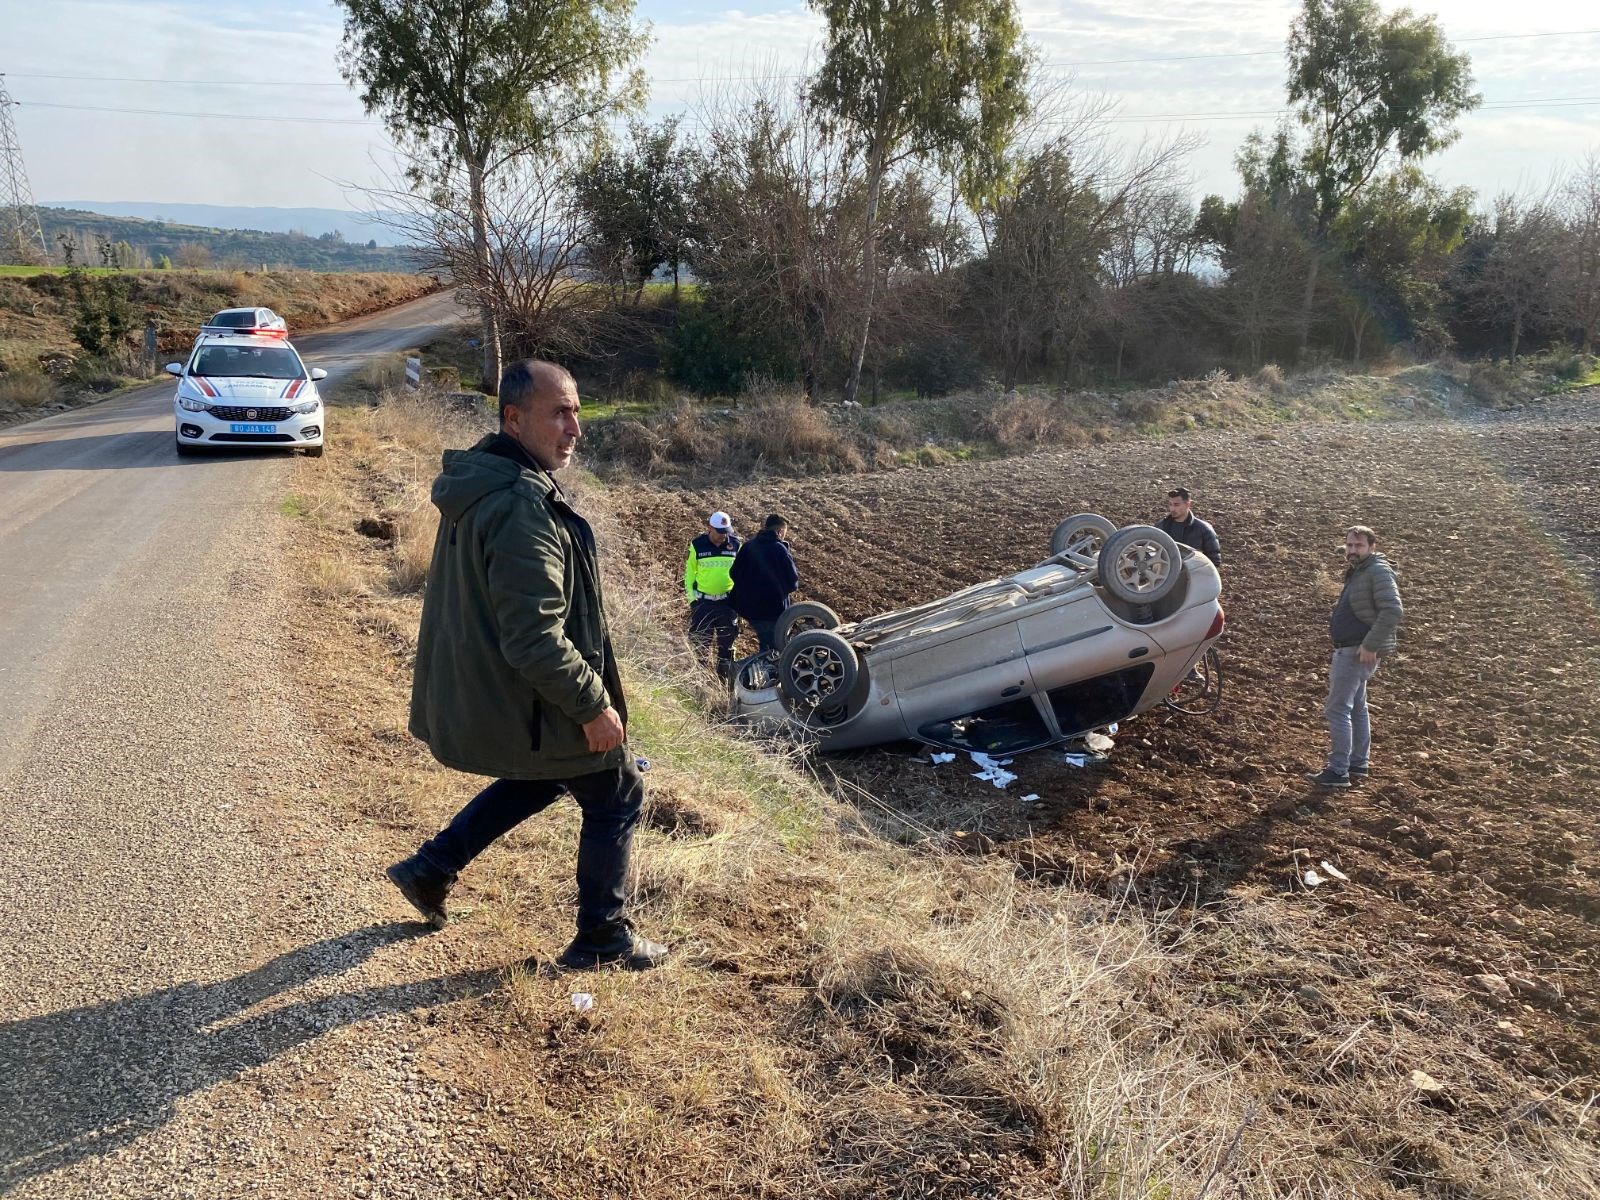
(1334, 872)
(1075, 760)
(993, 770)
(582, 1001)
(942, 758)
(1030, 797)
(1313, 879)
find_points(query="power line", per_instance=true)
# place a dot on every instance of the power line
(1052, 64)
(201, 116)
(20, 230)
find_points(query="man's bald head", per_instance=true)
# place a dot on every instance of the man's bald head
(539, 411)
(529, 380)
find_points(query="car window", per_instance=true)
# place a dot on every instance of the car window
(1009, 728)
(234, 320)
(1091, 703)
(264, 362)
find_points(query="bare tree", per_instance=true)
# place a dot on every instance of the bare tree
(1578, 278)
(1513, 285)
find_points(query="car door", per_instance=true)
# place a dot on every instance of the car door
(973, 692)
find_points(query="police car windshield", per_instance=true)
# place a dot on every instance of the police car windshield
(260, 362)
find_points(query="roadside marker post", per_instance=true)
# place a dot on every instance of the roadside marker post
(413, 373)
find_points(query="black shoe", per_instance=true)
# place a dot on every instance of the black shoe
(424, 886)
(1329, 779)
(615, 944)
(1360, 772)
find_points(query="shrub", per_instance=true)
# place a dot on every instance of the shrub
(936, 367)
(1270, 377)
(25, 389)
(715, 354)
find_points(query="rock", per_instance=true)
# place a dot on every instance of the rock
(1494, 985)
(376, 527)
(1443, 860)
(1312, 996)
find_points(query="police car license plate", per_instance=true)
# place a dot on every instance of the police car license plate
(252, 429)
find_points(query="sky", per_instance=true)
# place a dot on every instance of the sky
(200, 69)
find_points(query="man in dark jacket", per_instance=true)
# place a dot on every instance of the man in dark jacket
(1183, 527)
(1365, 628)
(515, 676)
(764, 576)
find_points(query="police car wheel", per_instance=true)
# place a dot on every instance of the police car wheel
(818, 670)
(808, 614)
(1083, 534)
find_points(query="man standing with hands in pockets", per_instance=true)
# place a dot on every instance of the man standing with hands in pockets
(1365, 628)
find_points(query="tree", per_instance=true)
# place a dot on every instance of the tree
(635, 207)
(1396, 242)
(1579, 269)
(913, 79)
(1511, 282)
(471, 87)
(1368, 89)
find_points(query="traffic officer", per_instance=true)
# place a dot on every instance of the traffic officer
(706, 582)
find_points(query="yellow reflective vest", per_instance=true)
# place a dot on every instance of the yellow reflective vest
(705, 574)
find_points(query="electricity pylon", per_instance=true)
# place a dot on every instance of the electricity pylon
(21, 235)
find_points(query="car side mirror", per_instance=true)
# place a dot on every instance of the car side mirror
(174, 368)
(318, 373)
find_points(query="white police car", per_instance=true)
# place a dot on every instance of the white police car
(240, 392)
(247, 320)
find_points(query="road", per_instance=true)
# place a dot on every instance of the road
(151, 872)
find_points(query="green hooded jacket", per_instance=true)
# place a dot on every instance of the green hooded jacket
(513, 656)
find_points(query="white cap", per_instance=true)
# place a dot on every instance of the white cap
(720, 520)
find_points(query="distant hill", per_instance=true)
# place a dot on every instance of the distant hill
(313, 222)
(146, 243)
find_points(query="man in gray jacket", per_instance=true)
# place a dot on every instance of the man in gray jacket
(1364, 628)
(515, 677)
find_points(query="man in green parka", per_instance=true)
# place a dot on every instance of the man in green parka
(515, 675)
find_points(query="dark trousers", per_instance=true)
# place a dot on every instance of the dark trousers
(766, 635)
(714, 621)
(610, 801)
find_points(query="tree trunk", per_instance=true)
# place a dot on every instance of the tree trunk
(1307, 301)
(484, 266)
(1516, 337)
(869, 262)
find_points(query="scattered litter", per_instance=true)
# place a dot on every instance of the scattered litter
(1111, 729)
(642, 763)
(1334, 872)
(1098, 742)
(1312, 879)
(942, 758)
(582, 1001)
(1030, 798)
(1075, 760)
(992, 770)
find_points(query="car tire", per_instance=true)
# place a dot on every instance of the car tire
(1084, 533)
(313, 451)
(797, 618)
(818, 670)
(1140, 565)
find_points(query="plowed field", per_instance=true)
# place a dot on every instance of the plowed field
(1474, 849)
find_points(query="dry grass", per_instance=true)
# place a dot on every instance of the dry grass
(25, 390)
(857, 1012)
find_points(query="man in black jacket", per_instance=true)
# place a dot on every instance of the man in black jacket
(1183, 527)
(764, 576)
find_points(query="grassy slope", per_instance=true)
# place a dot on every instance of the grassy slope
(857, 1009)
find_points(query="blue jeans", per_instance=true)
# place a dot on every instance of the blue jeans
(610, 801)
(766, 634)
(1348, 722)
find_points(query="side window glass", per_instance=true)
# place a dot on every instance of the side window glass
(1091, 703)
(1008, 728)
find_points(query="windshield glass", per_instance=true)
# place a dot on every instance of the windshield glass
(261, 362)
(239, 318)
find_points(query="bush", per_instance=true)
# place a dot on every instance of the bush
(936, 367)
(25, 389)
(716, 354)
(1270, 378)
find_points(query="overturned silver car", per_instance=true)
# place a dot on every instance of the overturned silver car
(1112, 624)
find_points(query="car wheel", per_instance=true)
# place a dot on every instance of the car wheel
(797, 618)
(1139, 564)
(818, 669)
(1083, 534)
(313, 451)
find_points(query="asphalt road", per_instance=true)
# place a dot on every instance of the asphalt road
(148, 876)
